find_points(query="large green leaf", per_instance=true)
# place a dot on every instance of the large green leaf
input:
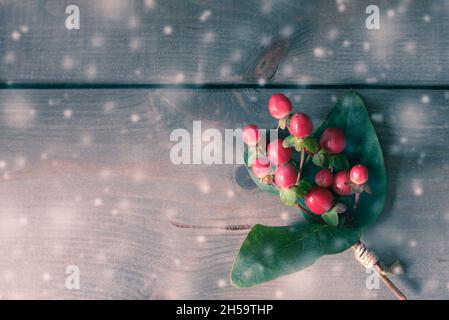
(362, 146)
(270, 252)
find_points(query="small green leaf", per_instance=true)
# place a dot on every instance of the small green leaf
(288, 196)
(331, 218)
(304, 186)
(289, 142)
(339, 161)
(299, 145)
(319, 158)
(311, 144)
(270, 252)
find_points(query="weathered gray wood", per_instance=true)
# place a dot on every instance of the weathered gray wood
(253, 41)
(86, 180)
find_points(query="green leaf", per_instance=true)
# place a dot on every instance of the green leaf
(362, 146)
(311, 144)
(302, 189)
(298, 145)
(330, 218)
(319, 158)
(339, 161)
(288, 196)
(289, 142)
(271, 252)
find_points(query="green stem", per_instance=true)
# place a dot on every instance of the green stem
(301, 164)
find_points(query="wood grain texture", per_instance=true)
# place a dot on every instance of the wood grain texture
(230, 41)
(86, 179)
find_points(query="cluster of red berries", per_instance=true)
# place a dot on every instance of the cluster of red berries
(276, 166)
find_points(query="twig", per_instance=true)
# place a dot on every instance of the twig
(301, 164)
(369, 260)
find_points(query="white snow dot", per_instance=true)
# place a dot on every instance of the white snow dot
(68, 113)
(109, 106)
(135, 44)
(279, 294)
(410, 47)
(15, 35)
(46, 277)
(287, 31)
(135, 118)
(391, 13)
(205, 15)
(417, 188)
(68, 63)
(97, 41)
(3, 164)
(204, 187)
(98, 202)
(221, 283)
(150, 4)
(425, 99)
(208, 37)
(261, 81)
(230, 193)
(168, 30)
(9, 57)
(24, 29)
(319, 52)
(23, 221)
(201, 239)
(90, 71)
(366, 46)
(426, 18)
(179, 77)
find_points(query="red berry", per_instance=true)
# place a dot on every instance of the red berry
(251, 134)
(279, 106)
(359, 174)
(319, 200)
(285, 176)
(260, 168)
(333, 140)
(324, 178)
(341, 186)
(300, 125)
(277, 153)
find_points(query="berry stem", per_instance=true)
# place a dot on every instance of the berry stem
(356, 201)
(301, 164)
(304, 209)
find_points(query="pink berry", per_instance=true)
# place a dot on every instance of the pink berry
(359, 174)
(341, 186)
(251, 134)
(300, 125)
(324, 178)
(319, 200)
(279, 106)
(333, 140)
(285, 176)
(260, 168)
(277, 153)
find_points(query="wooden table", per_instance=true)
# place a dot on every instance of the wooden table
(86, 116)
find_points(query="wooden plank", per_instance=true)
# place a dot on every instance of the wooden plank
(86, 180)
(289, 41)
